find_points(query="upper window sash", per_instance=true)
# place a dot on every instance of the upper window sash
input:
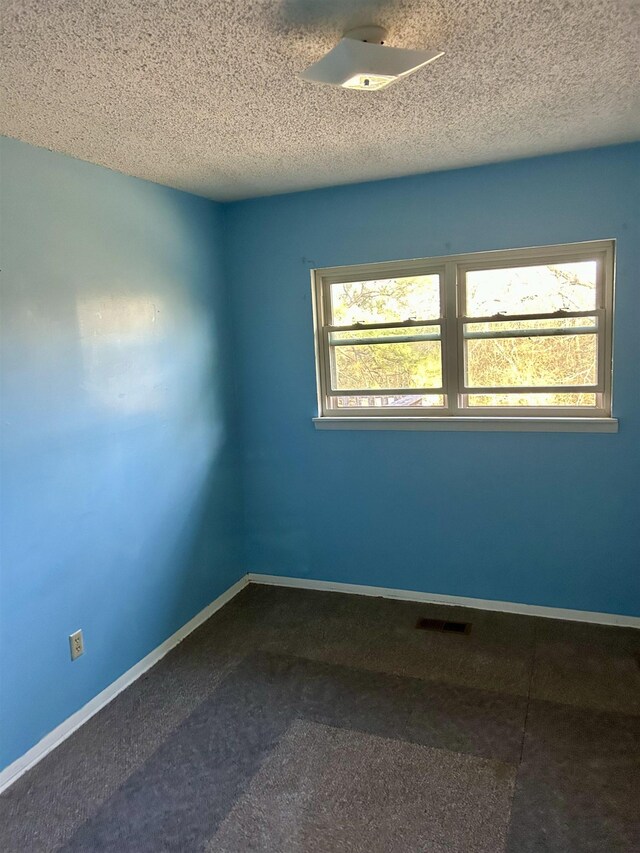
(598, 253)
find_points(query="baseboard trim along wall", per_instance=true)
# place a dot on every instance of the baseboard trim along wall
(49, 742)
(452, 600)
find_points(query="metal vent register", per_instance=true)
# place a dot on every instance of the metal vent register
(444, 626)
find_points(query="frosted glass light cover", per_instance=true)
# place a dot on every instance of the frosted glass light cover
(351, 61)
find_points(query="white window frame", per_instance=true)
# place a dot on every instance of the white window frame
(452, 270)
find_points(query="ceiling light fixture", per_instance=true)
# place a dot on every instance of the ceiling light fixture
(361, 60)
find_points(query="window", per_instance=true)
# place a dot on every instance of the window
(489, 337)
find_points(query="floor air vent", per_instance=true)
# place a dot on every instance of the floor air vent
(446, 627)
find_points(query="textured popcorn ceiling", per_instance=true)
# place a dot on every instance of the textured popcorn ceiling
(203, 94)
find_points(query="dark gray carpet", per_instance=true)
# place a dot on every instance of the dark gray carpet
(302, 721)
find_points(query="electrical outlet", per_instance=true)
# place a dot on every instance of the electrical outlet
(76, 644)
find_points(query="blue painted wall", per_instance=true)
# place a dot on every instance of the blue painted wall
(121, 494)
(137, 483)
(551, 519)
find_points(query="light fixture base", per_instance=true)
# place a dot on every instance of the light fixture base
(361, 61)
(370, 34)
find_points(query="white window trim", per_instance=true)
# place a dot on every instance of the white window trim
(451, 269)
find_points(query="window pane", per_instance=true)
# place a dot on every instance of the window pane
(538, 400)
(393, 365)
(386, 300)
(570, 360)
(380, 401)
(531, 289)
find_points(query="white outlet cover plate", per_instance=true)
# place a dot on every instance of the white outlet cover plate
(76, 644)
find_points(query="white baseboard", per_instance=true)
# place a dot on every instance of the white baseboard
(452, 600)
(49, 742)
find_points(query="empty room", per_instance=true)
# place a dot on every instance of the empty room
(320, 426)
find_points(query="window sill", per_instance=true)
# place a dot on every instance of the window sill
(467, 424)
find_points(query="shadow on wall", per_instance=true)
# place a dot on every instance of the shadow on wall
(121, 505)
